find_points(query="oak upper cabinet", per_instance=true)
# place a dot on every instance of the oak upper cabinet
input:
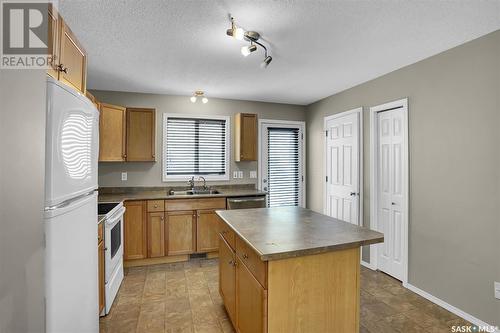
(141, 129)
(112, 133)
(135, 230)
(181, 232)
(251, 300)
(245, 140)
(156, 235)
(53, 41)
(227, 278)
(207, 226)
(72, 59)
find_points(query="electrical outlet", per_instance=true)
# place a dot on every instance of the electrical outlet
(240, 174)
(253, 174)
(497, 290)
(124, 176)
(235, 174)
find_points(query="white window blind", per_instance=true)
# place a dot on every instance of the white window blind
(195, 146)
(283, 167)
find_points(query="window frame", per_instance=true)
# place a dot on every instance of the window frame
(184, 178)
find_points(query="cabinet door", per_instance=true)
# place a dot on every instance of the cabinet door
(53, 41)
(100, 251)
(134, 233)
(72, 59)
(227, 276)
(251, 301)
(207, 233)
(181, 233)
(112, 133)
(246, 137)
(141, 129)
(156, 235)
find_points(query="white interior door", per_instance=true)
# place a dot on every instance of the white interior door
(391, 191)
(342, 167)
(282, 163)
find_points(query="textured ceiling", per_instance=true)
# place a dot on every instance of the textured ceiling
(319, 47)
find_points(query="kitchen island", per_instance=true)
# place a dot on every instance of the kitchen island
(290, 270)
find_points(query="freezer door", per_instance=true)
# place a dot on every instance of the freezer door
(71, 284)
(72, 144)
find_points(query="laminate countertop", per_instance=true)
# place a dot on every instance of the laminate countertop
(156, 194)
(279, 233)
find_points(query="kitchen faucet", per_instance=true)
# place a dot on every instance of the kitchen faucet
(204, 182)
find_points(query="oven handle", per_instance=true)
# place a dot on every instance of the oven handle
(115, 217)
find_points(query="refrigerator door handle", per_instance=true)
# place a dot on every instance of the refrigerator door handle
(71, 204)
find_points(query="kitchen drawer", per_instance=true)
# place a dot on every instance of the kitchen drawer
(227, 233)
(100, 232)
(211, 203)
(156, 206)
(195, 204)
(252, 261)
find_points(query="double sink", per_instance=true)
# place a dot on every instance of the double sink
(207, 191)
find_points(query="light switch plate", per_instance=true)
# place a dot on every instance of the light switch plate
(240, 174)
(497, 290)
(124, 176)
(253, 174)
(235, 174)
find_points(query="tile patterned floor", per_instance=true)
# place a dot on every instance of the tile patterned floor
(184, 297)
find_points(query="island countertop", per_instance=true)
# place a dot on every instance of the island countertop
(279, 233)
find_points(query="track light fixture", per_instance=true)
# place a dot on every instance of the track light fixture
(196, 94)
(252, 37)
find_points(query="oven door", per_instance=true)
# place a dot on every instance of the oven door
(113, 242)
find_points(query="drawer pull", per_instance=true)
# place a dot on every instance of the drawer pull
(223, 232)
(156, 206)
(245, 256)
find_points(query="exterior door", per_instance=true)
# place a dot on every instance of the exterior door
(282, 163)
(390, 191)
(342, 168)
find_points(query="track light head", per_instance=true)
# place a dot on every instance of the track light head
(266, 62)
(246, 50)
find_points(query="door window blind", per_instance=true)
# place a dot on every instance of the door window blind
(195, 146)
(283, 167)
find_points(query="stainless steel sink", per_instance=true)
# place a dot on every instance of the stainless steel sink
(192, 192)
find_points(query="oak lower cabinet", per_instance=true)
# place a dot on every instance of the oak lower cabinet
(156, 235)
(135, 230)
(207, 224)
(181, 232)
(227, 278)
(112, 130)
(251, 301)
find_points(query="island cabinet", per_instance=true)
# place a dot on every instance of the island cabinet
(290, 270)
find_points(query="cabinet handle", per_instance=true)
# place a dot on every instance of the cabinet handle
(245, 256)
(231, 262)
(156, 206)
(223, 232)
(61, 68)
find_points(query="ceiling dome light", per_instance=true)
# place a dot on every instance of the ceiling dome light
(246, 50)
(266, 62)
(204, 100)
(201, 94)
(193, 99)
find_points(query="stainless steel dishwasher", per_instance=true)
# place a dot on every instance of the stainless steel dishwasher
(246, 202)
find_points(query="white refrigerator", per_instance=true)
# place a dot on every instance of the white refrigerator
(71, 267)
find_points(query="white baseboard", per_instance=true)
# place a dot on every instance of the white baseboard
(470, 318)
(368, 265)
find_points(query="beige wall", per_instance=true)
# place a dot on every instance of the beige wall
(150, 174)
(22, 168)
(454, 118)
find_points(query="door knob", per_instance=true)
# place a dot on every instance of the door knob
(353, 194)
(393, 203)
